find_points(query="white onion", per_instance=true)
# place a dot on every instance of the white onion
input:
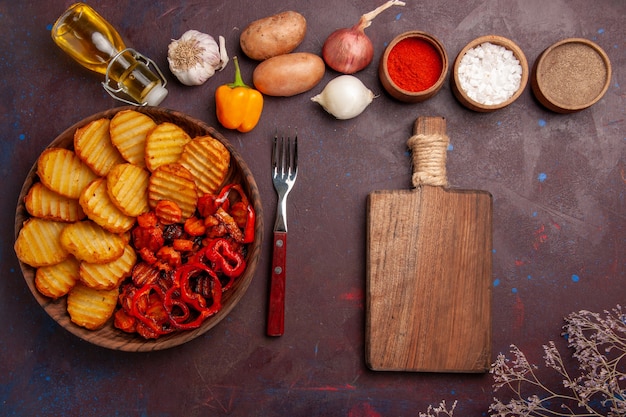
(345, 97)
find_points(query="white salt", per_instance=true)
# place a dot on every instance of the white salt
(489, 74)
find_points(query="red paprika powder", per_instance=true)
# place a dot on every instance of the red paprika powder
(414, 64)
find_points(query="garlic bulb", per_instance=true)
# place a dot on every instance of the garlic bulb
(345, 97)
(194, 57)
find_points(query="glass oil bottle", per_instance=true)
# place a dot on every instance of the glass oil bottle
(91, 41)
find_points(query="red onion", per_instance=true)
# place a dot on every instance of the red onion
(349, 50)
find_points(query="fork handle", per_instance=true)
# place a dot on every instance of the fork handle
(276, 310)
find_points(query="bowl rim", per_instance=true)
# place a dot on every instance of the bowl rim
(537, 75)
(497, 40)
(434, 41)
(108, 336)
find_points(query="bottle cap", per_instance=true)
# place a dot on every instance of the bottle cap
(156, 95)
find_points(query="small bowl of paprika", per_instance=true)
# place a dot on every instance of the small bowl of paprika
(413, 67)
(489, 73)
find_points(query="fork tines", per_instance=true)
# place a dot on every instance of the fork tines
(284, 158)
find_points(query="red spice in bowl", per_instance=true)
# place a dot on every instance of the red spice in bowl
(413, 67)
(414, 64)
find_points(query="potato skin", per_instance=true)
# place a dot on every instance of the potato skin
(273, 35)
(288, 74)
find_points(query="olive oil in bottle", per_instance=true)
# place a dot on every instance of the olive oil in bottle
(91, 41)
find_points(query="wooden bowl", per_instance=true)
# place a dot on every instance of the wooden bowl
(108, 336)
(391, 85)
(462, 95)
(571, 75)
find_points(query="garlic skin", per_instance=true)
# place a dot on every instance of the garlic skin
(345, 97)
(194, 57)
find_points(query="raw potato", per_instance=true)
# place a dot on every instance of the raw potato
(273, 35)
(289, 74)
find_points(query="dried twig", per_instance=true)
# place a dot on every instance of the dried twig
(597, 389)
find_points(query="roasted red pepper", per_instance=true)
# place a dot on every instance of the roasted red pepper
(124, 321)
(248, 230)
(183, 277)
(147, 309)
(230, 225)
(226, 259)
(224, 256)
(186, 269)
(180, 297)
(193, 324)
(177, 309)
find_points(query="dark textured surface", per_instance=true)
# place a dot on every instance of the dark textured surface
(558, 183)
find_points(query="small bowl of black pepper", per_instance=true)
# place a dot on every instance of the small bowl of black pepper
(571, 75)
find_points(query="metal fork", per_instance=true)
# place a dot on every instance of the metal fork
(284, 173)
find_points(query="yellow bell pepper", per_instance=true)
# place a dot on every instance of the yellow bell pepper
(238, 105)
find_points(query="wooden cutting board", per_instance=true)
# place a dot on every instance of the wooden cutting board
(428, 284)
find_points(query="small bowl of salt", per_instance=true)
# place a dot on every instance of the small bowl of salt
(490, 73)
